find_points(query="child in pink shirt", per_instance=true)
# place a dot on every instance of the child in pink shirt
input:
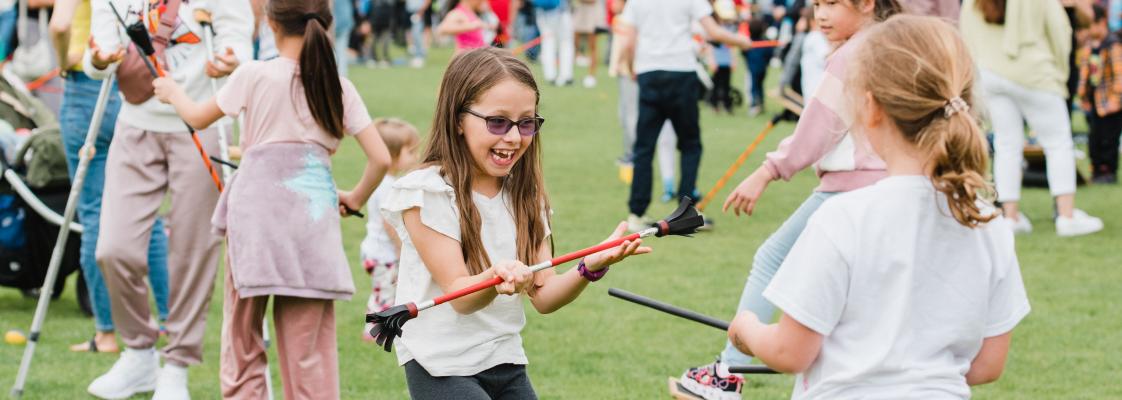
(464, 23)
(280, 212)
(844, 162)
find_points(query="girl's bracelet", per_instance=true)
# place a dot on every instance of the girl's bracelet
(591, 276)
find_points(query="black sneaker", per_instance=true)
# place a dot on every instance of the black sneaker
(1105, 179)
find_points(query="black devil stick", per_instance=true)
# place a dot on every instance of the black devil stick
(387, 324)
(692, 316)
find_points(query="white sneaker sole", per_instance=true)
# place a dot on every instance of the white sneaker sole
(1078, 232)
(124, 393)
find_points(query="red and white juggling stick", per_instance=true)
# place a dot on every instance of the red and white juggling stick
(387, 324)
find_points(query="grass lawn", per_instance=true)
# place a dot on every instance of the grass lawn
(603, 348)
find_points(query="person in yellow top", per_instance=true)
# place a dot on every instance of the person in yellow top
(70, 33)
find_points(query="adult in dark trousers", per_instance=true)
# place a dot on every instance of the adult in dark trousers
(658, 46)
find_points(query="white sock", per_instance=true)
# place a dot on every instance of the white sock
(147, 351)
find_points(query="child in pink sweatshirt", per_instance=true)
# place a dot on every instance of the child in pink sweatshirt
(843, 161)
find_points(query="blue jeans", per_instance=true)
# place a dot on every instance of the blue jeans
(7, 31)
(341, 59)
(77, 110)
(757, 61)
(766, 263)
(417, 33)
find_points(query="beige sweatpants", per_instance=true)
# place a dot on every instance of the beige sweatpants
(306, 346)
(142, 167)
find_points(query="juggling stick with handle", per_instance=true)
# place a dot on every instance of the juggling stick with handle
(692, 316)
(739, 161)
(203, 17)
(139, 37)
(387, 324)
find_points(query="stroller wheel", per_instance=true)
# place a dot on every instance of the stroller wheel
(32, 293)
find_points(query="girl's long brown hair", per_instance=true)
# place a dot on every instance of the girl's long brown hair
(914, 67)
(318, 72)
(468, 76)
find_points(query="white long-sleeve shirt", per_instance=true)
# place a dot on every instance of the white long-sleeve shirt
(185, 57)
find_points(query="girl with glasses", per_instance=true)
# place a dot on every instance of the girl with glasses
(476, 209)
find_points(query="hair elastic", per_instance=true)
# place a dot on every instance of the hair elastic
(955, 106)
(314, 16)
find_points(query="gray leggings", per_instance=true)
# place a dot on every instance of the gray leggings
(506, 381)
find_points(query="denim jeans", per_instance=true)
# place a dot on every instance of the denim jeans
(769, 257)
(7, 31)
(757, 61)
(77, 111)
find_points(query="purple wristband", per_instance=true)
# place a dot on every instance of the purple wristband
(592, 276)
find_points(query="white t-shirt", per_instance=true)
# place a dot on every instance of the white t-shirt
(443, 341)
(377, 244)
(813, 61)
(665, 42)
(902, 292)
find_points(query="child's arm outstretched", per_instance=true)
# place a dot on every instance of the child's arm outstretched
(787, 346)
(443, 257)
(553, 291)
(456, 23)
(377, 163)
(198, 115)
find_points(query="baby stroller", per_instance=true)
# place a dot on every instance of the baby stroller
(33, 191)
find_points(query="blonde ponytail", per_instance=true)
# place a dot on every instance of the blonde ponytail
(918, 69)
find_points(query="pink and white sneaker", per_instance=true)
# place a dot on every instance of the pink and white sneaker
(712, 382)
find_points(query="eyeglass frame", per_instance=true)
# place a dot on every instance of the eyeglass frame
(510, 123)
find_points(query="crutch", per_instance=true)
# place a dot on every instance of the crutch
(84, 157)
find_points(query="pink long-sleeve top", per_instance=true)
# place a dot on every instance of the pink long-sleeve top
(843, 161)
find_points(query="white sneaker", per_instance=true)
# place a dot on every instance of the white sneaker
(636, 223)
(1078, 224)
(1022, 225)
(134, 372)
(589, 81)
(417, 62)
(172, 384)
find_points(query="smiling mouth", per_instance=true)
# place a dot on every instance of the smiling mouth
(502, 156)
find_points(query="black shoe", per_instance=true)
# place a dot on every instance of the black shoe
(1105, 179)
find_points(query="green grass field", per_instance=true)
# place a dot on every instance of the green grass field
(603, 348)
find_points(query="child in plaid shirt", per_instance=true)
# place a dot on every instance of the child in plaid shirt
(1100, 88)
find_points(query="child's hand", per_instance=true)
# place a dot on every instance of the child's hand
(603, 259)
(167, 89)
(516, 277)
(743, 199)
(348, 200)
(223, 65)
(739, 329)
(102, 58)
(235, 152)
